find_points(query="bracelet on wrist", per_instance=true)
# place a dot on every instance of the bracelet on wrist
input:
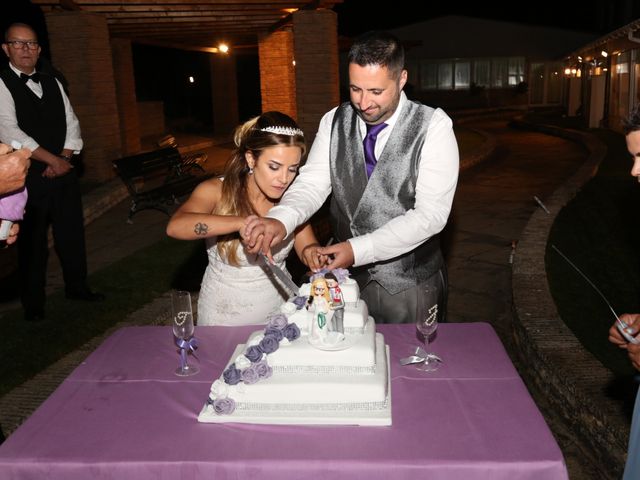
(66, 157)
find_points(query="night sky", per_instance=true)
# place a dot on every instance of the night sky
(590, 16)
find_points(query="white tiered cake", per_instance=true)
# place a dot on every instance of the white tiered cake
(280, 376)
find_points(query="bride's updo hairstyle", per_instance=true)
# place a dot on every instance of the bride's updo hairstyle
(271, 129)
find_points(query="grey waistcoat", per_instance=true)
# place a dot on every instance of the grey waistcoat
(359, 206)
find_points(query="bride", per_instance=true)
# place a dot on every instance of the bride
(237, 288)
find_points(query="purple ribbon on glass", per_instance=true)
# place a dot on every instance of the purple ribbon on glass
(185, 346)
(369, 145)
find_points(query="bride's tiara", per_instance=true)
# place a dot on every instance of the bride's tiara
(283, 131)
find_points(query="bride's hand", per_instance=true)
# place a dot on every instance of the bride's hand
(243, 228)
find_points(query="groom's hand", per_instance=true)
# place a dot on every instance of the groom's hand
(341, 255)
(260, 234)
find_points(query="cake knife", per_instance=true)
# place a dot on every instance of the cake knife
(283, 277)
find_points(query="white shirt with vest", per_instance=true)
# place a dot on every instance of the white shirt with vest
(435, 189)
(10, 131)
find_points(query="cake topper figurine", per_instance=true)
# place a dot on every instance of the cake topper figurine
(322, 331)
(337, 302)
(319, 302)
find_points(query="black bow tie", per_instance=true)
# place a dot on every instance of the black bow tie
(34, 77)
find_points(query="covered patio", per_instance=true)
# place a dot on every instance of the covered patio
(90, 41)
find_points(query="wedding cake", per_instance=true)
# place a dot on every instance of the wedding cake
(310, 365)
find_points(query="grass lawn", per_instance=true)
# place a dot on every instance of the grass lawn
(132, 282)
(599, 230)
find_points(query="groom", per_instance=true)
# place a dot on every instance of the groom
(392, 166)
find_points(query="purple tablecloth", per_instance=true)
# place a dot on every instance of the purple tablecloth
(123, 414)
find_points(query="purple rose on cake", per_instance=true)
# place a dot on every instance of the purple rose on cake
(269, 344)
(254, 353)
(258, 368)
(274, 332)
(300, 301)
(341, 274)
(232, 375)
(263, 369)
(291, 332)
(277, 321)
(250, 375)
(224, 406)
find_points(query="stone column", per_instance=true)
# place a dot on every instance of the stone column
(224, 93)
(277, 72)
(126, 95)
(317, 67)
(80, 49)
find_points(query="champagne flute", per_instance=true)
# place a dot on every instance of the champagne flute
(426, 323)
(182, 320)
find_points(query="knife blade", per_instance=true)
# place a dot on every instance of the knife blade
(283, 277)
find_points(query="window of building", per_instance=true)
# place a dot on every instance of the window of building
(445, 76)
(482, 73)
(499, 68)
(516, 71)
(458, 74)
(428, 76)
(462, 75)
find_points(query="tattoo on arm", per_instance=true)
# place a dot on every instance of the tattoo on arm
(201, 228)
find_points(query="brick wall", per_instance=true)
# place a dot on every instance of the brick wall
(277, 73)
(317, 67)
(80, 49)
(126, 95)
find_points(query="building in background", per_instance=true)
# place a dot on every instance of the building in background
(458, 62)
(603, 77)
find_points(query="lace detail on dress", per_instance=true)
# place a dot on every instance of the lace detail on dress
(243, 294)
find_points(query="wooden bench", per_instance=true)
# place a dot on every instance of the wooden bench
(189, 160)
(156, 179)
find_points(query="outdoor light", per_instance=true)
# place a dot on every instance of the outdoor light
(224, 48)
(567, 71)
(604, 54)
(191, 79)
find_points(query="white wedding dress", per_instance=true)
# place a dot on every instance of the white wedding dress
(243, 294)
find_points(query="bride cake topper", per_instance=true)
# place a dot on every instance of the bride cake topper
(323, 331)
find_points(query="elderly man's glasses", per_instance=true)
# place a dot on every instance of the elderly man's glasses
(20, 44)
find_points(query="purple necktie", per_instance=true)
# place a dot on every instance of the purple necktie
(369, 144)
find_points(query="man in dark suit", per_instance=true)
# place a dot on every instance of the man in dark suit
(35, 111)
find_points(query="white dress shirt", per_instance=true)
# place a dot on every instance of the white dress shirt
(435, 188)
(10, 131)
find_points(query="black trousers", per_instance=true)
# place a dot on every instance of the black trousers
(401, 307)
(54, 202)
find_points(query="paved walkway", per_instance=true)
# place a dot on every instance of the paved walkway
(493, 203)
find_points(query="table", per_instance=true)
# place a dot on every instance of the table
(123, 414)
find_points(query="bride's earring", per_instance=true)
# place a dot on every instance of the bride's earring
(250, 170)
